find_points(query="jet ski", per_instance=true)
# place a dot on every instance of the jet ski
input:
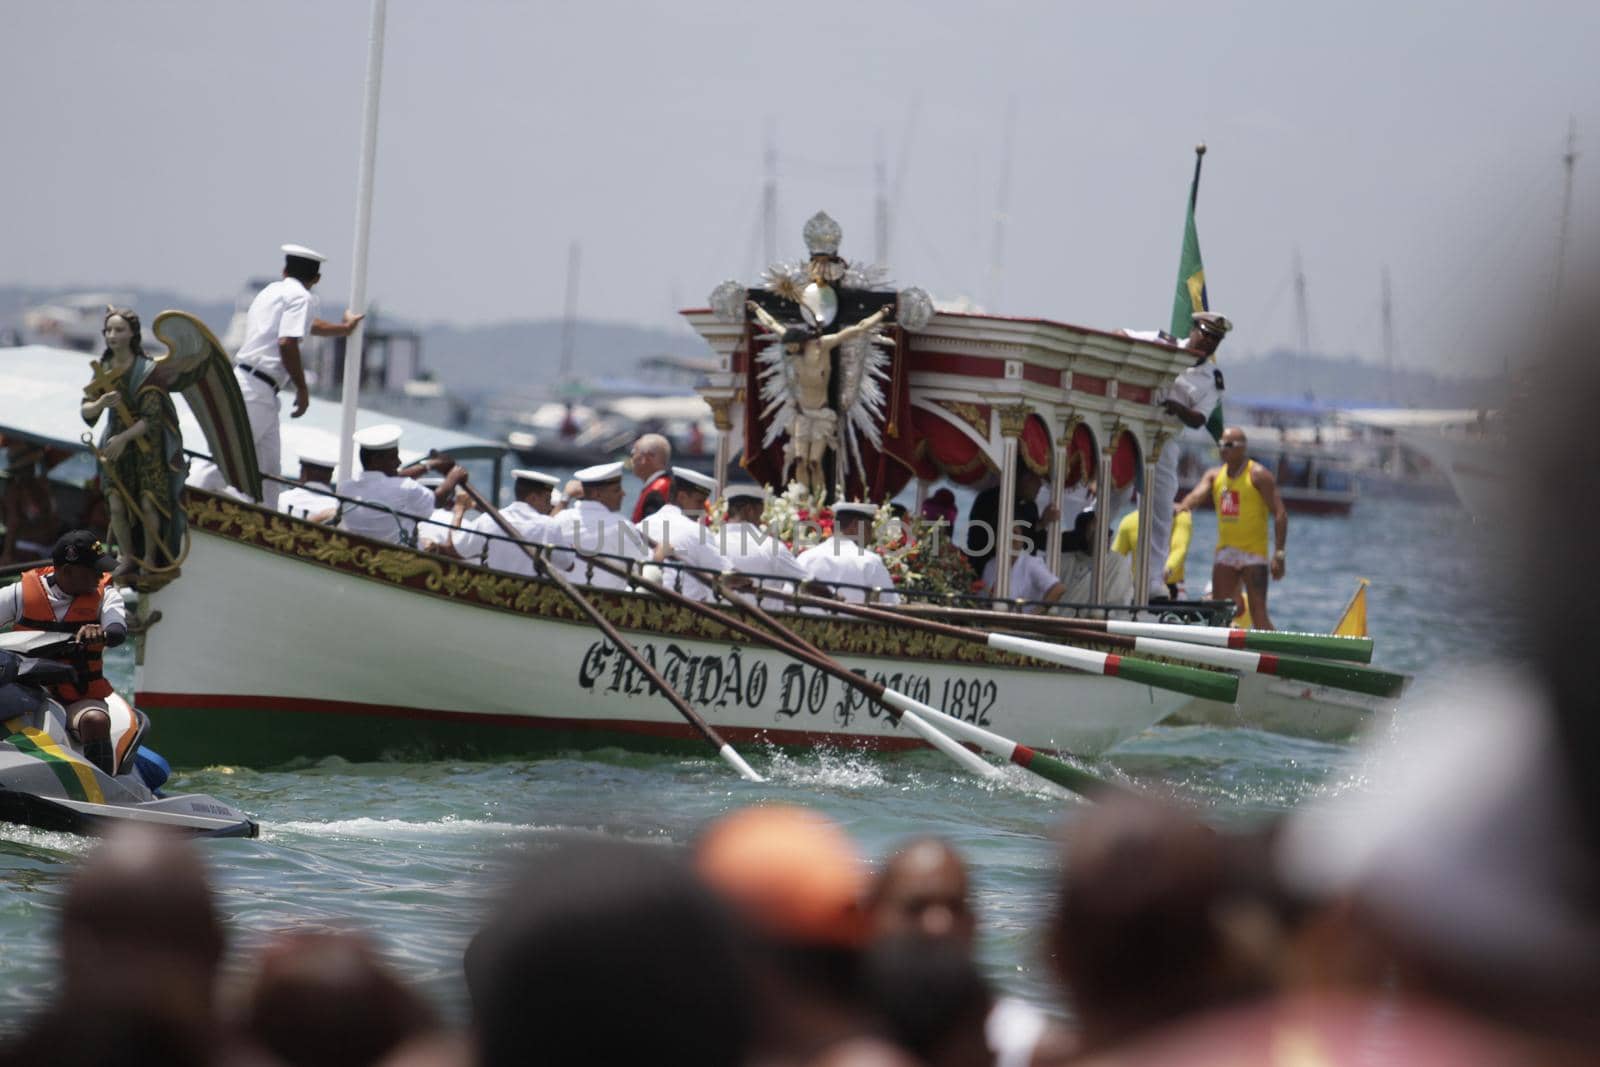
(45, 781)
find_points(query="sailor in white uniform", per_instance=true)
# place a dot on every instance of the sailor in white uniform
(396, 501)
(843, 560)
(678, 534)
(313, 498)
(1031, 579)
(437, 532)
(596, 527)
(269, 361)
(750, 550)
(530, 514)
(1189, 402)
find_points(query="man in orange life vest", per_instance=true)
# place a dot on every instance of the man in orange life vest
(1244, 494)
(75, 596)
(651, 461)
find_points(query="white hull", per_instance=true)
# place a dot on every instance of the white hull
(251, 633)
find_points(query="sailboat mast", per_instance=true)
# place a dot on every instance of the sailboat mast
(358, 258)
(569, 318)
(1568, 160)
(880, 218)
(1002, 210)
(769, 202)
(1302, 314)
(1388, 335)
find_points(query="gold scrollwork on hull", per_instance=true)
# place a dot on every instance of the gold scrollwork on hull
(314, 545)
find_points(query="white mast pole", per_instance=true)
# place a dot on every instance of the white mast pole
(358, 258)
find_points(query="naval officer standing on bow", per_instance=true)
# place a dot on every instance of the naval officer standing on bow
(531, 514)
(676, 531)
(269, 361)
(596, 527)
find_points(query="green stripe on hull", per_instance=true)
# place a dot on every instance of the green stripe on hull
(248, 737)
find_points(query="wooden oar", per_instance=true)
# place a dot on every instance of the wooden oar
(1326, 646)
(1191, 681)
(1048, 767)
(702, 727)
(1347, 676)
(11, 569)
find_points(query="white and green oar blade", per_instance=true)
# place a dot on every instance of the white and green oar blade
(1337, 675)
(1324, 646)
(1191, 681)
(1047, 767)
(736, 761)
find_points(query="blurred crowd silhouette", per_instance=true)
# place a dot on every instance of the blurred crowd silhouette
(1447, 912)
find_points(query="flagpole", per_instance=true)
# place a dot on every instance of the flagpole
(1194, 187)
(358, 258)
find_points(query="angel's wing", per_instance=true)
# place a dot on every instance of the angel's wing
(197, 366)
(864, 373)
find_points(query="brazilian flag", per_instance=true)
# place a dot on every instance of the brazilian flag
(1191, 295)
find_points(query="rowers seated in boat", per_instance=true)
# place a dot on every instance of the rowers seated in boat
(397, 501)
(676, 531)
(73, 596)
(596, 527)
(532, 514)
(751, 550)
(844, 561)
(1031, 576)
(313, 498)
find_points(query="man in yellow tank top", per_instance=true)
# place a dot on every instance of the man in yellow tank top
(1244, 493)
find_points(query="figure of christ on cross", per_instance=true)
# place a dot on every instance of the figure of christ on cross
(815, 424)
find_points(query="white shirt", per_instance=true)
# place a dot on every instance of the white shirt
(474, 542)
(1031, 578)
(595, 530)
(1197, 388)
(440, 526)
(403, 496)
(692, 544)
(111, 607)
(841, 559)
(283, 309)
(751, 550)
(311, 498)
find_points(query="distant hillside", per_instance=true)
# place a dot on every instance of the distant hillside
(1349, 382)
(523, 357)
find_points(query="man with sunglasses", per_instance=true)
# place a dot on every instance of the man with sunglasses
(1244, 493)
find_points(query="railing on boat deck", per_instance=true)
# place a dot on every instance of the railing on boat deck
(1211, 612)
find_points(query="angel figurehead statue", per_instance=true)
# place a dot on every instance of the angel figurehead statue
(142, 464)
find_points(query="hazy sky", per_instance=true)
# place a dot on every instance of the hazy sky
(179, 143)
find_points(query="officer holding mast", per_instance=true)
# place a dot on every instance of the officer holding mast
(269, 361)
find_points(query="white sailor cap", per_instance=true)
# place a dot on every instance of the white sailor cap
(317, 459)
(694, 478)
(302, 252)
(745, 492)
(379, 437)
(865, 511)
(599, 473)
(523, 475)
(1211, 320)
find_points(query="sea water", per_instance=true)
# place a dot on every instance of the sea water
(412, 852)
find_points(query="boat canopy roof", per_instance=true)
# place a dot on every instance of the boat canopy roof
(41, 388)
